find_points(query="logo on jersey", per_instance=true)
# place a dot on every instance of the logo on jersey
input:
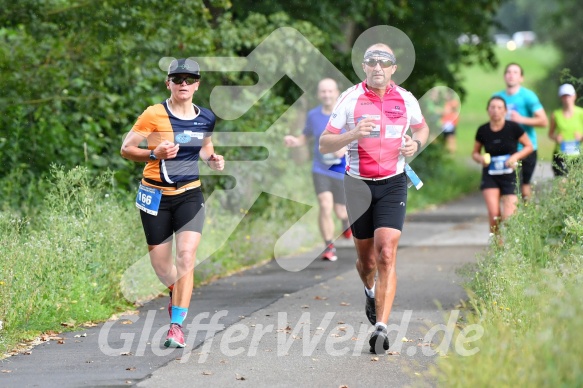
(182, 138)
(365, 116)
(394, 114)
(198, 135)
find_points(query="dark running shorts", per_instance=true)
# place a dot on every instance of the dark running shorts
(528, 165)
(505, 182)
(372, 205)
(324, 183)
(559, 165)
(177, 213)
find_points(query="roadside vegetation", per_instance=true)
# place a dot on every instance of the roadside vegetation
(527, 295)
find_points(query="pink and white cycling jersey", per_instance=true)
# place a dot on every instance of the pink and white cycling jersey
(377, 155)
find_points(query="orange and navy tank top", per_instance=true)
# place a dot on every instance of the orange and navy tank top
(157, 123)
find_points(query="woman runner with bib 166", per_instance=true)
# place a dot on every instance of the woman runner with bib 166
(170, 199)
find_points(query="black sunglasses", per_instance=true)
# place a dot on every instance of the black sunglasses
(384, 62)
(179, 80)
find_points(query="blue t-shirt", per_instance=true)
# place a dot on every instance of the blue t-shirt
(316, 124)
(525, 102)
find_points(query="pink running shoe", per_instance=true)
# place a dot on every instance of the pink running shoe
(347, 233)
(175, 338)
(329, 253)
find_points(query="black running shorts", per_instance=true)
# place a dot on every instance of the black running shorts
(324, 183)
(559, 164)
(177, 213)
(375, 204)
(505, 182)
(528, 165)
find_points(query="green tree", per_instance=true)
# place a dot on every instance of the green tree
(71, 90)
(564, 28)
(433, 28)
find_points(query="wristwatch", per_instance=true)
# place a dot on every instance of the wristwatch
(418, 145)
(152, 156)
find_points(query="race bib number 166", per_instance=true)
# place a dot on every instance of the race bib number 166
(148, 199)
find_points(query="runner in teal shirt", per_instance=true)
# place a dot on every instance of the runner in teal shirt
(524, 108)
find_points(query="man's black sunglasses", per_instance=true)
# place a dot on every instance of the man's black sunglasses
(178, 80)
(373, 62)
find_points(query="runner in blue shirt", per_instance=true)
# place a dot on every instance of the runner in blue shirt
(327, 170)
(525, 109)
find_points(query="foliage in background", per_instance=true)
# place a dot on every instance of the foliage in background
(70, 92)
(564, 27)
(75, 75)
(433, 27)
(527, 296)
(559, 21)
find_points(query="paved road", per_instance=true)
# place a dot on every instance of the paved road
(270, 327)
(317, 336)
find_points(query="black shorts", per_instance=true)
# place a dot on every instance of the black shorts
(375, 204)
(177, 213)
(324, 183)
(528, 165)
(505, 182)
(559, 165)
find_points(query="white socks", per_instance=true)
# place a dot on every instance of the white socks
(370, 293)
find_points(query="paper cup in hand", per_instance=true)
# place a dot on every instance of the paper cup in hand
(487, 158)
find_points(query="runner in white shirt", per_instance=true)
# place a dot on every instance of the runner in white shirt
(376, 115)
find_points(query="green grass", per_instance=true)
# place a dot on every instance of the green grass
(481, 83)
(60, 266)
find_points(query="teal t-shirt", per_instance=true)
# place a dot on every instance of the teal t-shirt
(525, 102)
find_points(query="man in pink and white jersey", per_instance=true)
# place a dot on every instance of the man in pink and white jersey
(376, 115)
